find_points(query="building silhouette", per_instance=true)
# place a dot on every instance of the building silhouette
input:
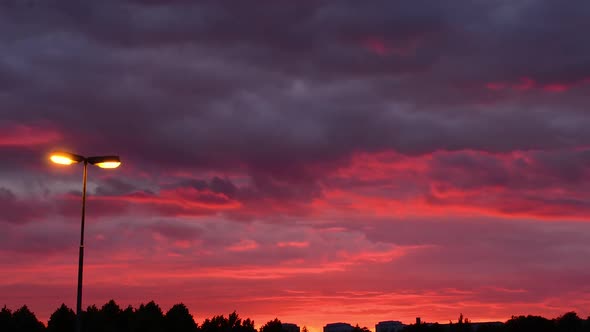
(338, 327)
(289, 327)
(389, 326)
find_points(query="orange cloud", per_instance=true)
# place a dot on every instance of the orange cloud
(27, 136)
(178, 201)
(243, 245)
(293, 244)
(527, 84)
(447, 183)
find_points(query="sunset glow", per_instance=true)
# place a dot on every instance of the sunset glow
(313, 161)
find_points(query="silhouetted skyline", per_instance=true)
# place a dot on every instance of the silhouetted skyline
(151, 318)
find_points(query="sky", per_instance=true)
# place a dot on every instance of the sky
(316, 161)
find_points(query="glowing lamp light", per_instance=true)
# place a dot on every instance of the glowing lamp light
(109, 164)
(61, 160)
(105, 161)
(65, 158)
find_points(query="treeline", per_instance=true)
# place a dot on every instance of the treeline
(569, 322)
(112, 318)
(150, 318)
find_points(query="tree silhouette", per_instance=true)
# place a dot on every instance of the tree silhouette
(62, 320)
(231, 324)
(357, 328)
(274, 325)
(179, 319)
(215, 324)
(529, 324)
(569, 322)
(25, 321)
(234, 321)
(92, 320)
(112, 318)
(126, 320)
(247, 326)
(148, 318)
(304, 329)
(6, 320)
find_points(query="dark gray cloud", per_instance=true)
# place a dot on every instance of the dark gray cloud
(260, 194)
(114, 186)
(15, 210)
(216, 185)
(278, 86)
(44, 238)
(535, 170)
(175, 231)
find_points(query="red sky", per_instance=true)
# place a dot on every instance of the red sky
(316, 162)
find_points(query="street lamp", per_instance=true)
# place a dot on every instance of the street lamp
(65, 158)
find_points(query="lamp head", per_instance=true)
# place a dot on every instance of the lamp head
(65, 158)
(105, 161)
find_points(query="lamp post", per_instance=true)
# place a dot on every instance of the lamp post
(66, 158)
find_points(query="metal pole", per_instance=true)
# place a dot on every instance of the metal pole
(81, 256)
